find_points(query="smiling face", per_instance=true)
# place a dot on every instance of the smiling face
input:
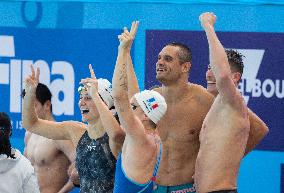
(211, 81)
(168, 66)
(87, 107)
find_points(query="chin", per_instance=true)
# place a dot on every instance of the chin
(161, 78)
(84, 119)
(212, 89)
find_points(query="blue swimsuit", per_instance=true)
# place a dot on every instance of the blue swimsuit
(123, 184)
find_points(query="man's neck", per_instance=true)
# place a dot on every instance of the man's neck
(175, 92)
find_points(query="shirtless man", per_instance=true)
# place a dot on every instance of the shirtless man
(258, 128)
(179, 129)
(50, 158)
(225, 130)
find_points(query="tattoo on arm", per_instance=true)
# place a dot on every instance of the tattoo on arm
(123, 78)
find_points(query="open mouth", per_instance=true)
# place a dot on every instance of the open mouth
(211, 82)
(160, 70)
(84, 111)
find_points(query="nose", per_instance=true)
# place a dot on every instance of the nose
(81, 102)
(159, 63)
(209, 73)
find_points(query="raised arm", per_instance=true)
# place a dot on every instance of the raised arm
(218, 60)
(110, 124)
(133, 88)
(45, 128)
(132, 125)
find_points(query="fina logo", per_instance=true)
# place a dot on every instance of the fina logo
(14, 73)
(250, 86)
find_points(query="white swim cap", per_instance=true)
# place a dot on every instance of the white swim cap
(152, 103)
(105, 91)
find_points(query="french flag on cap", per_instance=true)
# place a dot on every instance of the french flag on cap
(152, 103)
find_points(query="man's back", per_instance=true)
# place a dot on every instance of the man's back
(179, 131)
(50, 163)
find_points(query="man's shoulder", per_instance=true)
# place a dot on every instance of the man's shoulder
(200, 91)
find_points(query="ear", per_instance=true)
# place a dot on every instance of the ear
(236, 77)
(186, 67)
(47, 106)
(145, 117)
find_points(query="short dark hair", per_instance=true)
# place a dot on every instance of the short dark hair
(185, 52)
(5, 133)
(43, 94)
(235, 60)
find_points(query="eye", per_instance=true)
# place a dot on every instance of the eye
(133, 107)
(168, 58)
(87, 98)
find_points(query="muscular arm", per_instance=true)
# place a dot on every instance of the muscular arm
(133, 127)
(258, 130)
(33, 124)
(46, 128)
(133, 88)
(218, 61)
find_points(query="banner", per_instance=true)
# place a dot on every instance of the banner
(63, 56)
(262, 83)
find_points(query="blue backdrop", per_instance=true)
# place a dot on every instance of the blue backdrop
(62, 38)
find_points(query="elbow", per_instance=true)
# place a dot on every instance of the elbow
(28, 124)
(265, 130)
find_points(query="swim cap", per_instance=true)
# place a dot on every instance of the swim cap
(104, 90)
(152, 103)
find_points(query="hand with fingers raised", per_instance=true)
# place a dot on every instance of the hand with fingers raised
(32, 80)
(91, 84)
(126, 38)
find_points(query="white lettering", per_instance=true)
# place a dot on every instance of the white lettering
(278, 86)
(64, 86)
(268, 92)
(256, 90)
(15, 72)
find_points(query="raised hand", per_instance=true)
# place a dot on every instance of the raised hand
(126, 38)
(207, 19)
(32, 80)
(91, 84)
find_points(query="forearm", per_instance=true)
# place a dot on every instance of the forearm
(109, 122)
(29, 116)
(67, 187)
(217, 54)
(133, 87)
(120, 80)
